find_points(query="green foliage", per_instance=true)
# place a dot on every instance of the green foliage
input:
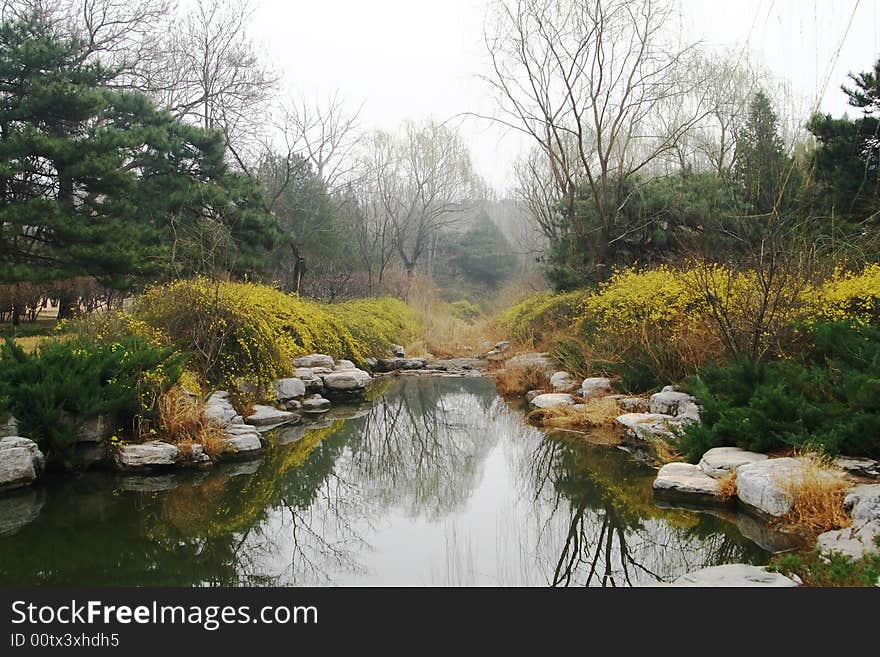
(834, 569)
(827, 399)
(539, 315)
(67, 382)
(465, 310)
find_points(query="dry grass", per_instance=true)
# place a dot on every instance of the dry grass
(591, 415)
(29, 344)
(727, 486)
(662, 450)
(517, 380)
(181, 420)
(817, 497)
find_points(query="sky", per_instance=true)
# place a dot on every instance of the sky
(403, 59)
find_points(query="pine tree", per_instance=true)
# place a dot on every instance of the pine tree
(761, 161)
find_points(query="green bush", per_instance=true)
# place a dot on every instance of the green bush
(54, 390)
(827, 399)
(834, 569)
(465, 310)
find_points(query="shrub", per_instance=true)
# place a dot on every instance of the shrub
(533, 319)
(848, 296)
(817, 494)
(828, 398)
(250, 332)
(516, 380)
(181, 420)
(833, 569)
(465, 310)
(54, 390)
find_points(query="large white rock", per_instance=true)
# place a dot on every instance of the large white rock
(242, 444)
(670, 402)
(859, 466)
(552, 399)
(535, 360)
(685, 479)
(854, 542)
(863, 503)
(344, 365)
(734, 574)
(287, 389)
(316, 404)
(314, 360)
(597, 386)
(269, 415)
(763, 485)
(218, 408)
(562, 382)
(21, 462)
(146, 455)
(351, 379)
(646, 425)
(720, 461)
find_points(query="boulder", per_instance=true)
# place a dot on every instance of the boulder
(346, 380)
(551, 400)
(242, 430)
(854, 542)
(495, 355)
(502, 346)
(344, 365)
(219, 409)
(531, 394)
(141, 456)
(287, 389)
(645, 425)
(242, 446)
(460, 365)
(391, 364)
(21, 462)
(734, 574)
(863, 503)
(94, 430)
(269, 416)
(398, 351)
(634, 404)
(314, 360)
(535, 360)
(316, 404)
(597, 386)
(860, 467)
(311, 380)
(562, 382)
(760, 485)
(720, 461)
(670, 402)
(685, 479)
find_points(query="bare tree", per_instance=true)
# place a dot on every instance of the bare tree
(590, 74)
(427, 181)
(210, 73)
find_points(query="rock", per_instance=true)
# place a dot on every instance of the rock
(535, 360)
(242, 430)
(597, 386)
(562, 382)
(645, 425)
(311, 380)
(219, 409)
(761, 485)
(734, 574)
(685, 479)
(146, 455)
(21, 462)
(344, 365)
(634, 404)
(502, 346)
(316, 404)
(20, 509)
(391, 364)
(287, 389)
(551, 400)
(197, 455)
(531, 394)
(292, 405)
(670, 402)
(9, 428)
(863, 503)
(398, 351)
(720, 461)
(149, 483)
(242, 446)
(494, 355)
(859, 466)
(371, 362)
(269, 415)
(459, 365)
(94, 430)
(290, 433)
(346, 380)
(314, 360)
(854, 542)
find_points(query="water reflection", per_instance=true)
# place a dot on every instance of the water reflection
(437, 482)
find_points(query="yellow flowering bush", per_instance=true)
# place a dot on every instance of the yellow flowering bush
(535, 318)
(848, 296)
(237, 331)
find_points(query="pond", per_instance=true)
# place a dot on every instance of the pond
(437, 481)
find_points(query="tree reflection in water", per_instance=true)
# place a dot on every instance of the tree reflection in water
(438, 482)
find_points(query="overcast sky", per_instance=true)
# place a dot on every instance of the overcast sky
(412, 58)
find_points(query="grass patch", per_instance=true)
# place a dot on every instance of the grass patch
(181, 421)
(517, 380)
(727, 486)
(817, 497)
(593, 414)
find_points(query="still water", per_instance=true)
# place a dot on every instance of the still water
(437, 481)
